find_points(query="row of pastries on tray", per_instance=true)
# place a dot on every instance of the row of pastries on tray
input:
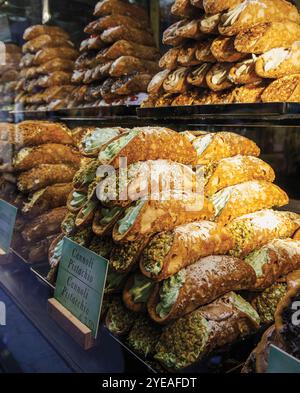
(171, 270)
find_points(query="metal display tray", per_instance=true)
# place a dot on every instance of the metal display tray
(250, 112)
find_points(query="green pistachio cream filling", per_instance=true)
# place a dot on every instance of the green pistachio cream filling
(57, 252)
(114, 148)
(131, 215)
(87, 173)
(107, 215)
(169, 293)
(141, 288)
(78, 199)
(245, 307)
(98, 138)
(257, 259)
(113, 280)
(183, 342)
(87, 209)
(68, 224)
(156, 252)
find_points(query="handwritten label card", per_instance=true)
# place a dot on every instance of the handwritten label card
(81, 282)
(8, 214)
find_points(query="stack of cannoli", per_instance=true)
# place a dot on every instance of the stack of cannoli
(9, 74)
(46, 69)
(233, 51)
(39, 173)
(118, 59)
(187, 273)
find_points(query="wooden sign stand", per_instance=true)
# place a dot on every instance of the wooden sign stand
(69, 323)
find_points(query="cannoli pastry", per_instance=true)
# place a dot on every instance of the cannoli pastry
(55, 65)
(91, 44)
(287, 321)
(144, 336)
(251, 12)
(108, 21)
(217, 77)
(183, 99)
(165, 100)
(137, 291)
(169, 252)
(45, 225)
(35, 31)
(46, 41)
(244, 198)
(47, 54)
(279, 62)
(170, 36)
(209, 23)
(119, 320)
(176, 81)
(124, 257)
(198, 284)
(286, 89)
(114, 282)
(297, 235)
(266, 36)
(34, 133)
(129, 48)
(203, 52)
(86, 214)
(86, 175)
(76, 200)
(249, 93)
(41, 176)
(193, 336)
(212, 147)
(184, 8)
(68, 224)
(190, 29)
(156, 84)
(96, 138)
(169, 59)
(39, 251)
(273, 260)
(215, 6)
(187, 55)
(51, 153)
(234, 170)
(27, 60)
(197, 3)
(112, 7)
(223, 50)
(47, 199)
(162, 213)
(244, 73)
(105, 91)
(78, 76)
(54, 79)
(105, 219)
(142, 37)
(86, 60)
(197, 76)
(266, 302)
(148, 143)
(253, 231)
(125, 65)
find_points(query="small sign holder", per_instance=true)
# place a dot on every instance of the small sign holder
(79, 291)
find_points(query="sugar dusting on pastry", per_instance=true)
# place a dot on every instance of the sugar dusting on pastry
(274, 58)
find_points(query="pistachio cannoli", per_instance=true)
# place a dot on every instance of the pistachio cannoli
(101, 246)
(148, 143)
(213, 147)
(54, 257)
(34, 31)
(123, 257)
(176, 81)
(76, 200)
(86, 214)
(114, 282)
(94, 140)
(163, 212)
(286, 89)
(47, 199)
(86, 174)
(251, 12)
(198, 284)
(193, 336)
(197, 76)
(244, 198)
(217, 77)
(144, 336)
(118, 7)
(169, 59)
(266, 36)
(244, 73)
(44, 225)
(184, 8)
(105, 219)
(119, 320)
(68, 226)
(156, 84)
(203, 52)
(223, 50)
(279, 62)
(273, 260)
(169, 252)
(257, 229)
(215, 6)
(50, 153)
(234, 170)
(45, 175)
(137, 291)
(209, 23)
